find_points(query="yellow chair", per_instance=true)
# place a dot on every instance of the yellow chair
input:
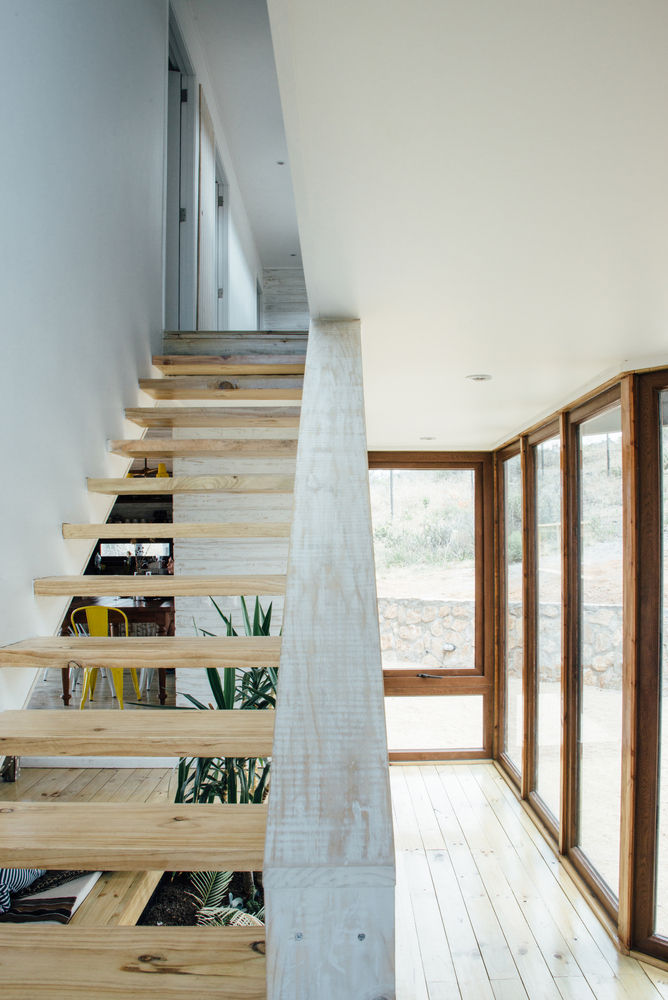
(97, 620)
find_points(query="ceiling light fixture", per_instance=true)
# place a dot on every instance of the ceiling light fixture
(479, 378)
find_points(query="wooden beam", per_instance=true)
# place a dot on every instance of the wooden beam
(132, 963)
(214, 416)
(165, 651)
(231, 364)
(259, 387)
(99, 835)
(104, 585)
(329, 865)
(206, 448)
(183, 529)
(166, 486)
(117, 899)
(26, 733)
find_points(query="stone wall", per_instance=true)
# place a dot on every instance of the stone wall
(425, 632)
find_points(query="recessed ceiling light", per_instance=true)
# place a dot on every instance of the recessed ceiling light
(479, 378)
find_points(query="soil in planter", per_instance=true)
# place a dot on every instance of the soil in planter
(171, 904)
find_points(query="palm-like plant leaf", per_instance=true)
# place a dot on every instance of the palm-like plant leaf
(209, 888)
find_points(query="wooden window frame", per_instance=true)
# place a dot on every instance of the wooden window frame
(599, 403)
(512, 450)
(550, 430)
(642, 663)
(638, 395)
(477, 680)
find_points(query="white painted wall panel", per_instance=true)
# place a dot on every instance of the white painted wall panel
(82, 173)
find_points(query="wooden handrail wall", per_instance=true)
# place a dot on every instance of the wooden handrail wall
(329, 863)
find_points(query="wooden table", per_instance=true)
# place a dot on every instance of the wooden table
(160, 612)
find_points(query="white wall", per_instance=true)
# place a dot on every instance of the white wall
(81, 175)
(244, 267)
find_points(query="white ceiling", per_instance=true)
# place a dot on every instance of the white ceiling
(484, 185)
(237, 44)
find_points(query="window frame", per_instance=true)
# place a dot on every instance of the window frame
(477, 680)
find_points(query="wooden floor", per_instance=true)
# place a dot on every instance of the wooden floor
(484, 909)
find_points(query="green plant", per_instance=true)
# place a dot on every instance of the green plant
(208, 893)
(232, 779)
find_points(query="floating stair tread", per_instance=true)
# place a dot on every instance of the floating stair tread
(147, 733)
(206, 447)
(259, 387)
(184, 529)
(244, 483)
(214, 416)
(132, 963)
(140, 835)
(230, 364)
(164, 651)
(104, 585)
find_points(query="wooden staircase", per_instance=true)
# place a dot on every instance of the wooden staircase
(112, 961)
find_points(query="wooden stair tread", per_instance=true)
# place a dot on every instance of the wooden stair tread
(131, 963)
(259, 387)
(184, 529)
(229, 364)
(138, 835)
(275, 417)
(104, 585)
(149, 733)
(207, 447)
(164, 651)
(214, 416)
(250, 482)
(117, 899)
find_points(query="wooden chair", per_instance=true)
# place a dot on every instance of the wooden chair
(97, 622)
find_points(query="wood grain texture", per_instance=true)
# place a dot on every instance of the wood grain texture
(284, 298)
(330, 729)
(117, 899)
(246, 483)
(205, 963)
(259, 387)
(130, 734)
(214, 416)
(165, 651)
(230, 364)
(203, 342)
(185, 529)
(160, 586)
(214, 447)
(99, 835)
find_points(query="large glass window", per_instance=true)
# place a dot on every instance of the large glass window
(514, 626)
(547, 460)
(661, 897)
(600, 657)
(424, 545)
